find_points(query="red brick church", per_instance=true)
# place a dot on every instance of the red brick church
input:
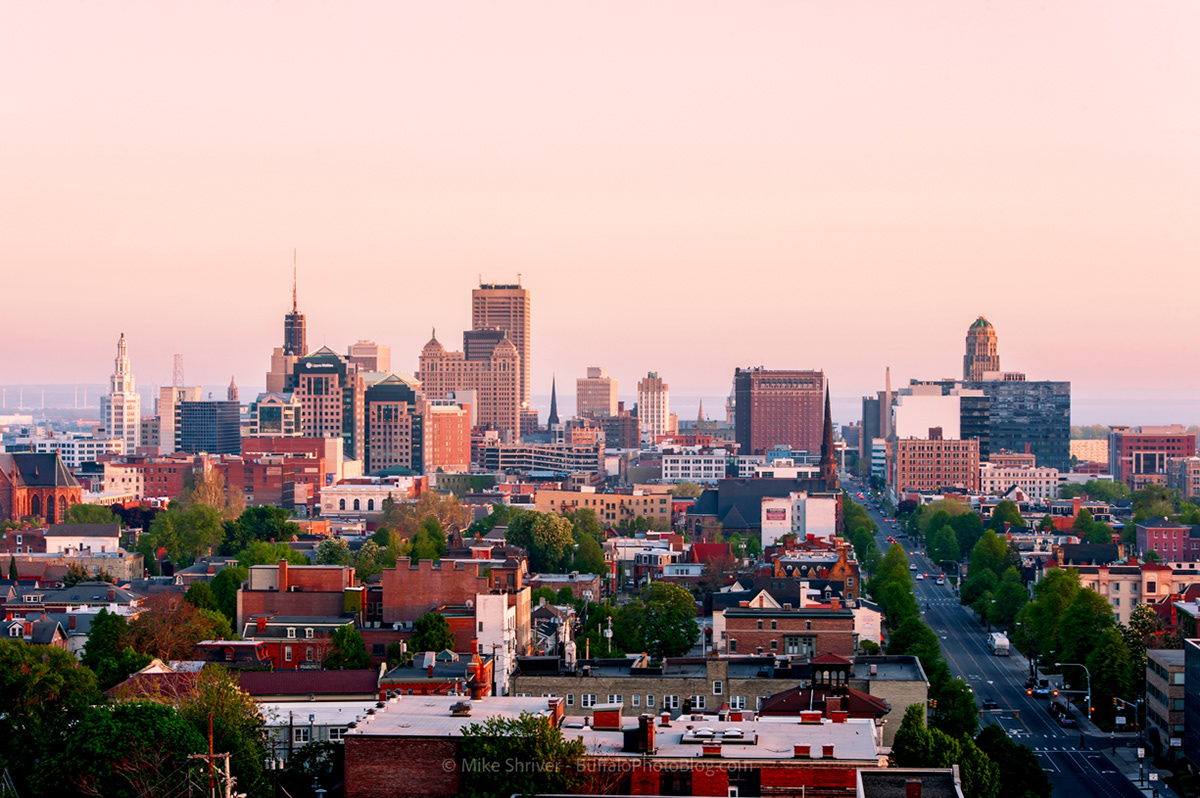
(37, 486)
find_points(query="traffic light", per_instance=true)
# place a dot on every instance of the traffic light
(1056, 693)
(1116, 703)
(1017, 714)
(933, 703)
(1028, 692)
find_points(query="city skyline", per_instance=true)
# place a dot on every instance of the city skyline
(862, 193)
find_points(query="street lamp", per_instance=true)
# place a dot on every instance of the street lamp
(1089, 683)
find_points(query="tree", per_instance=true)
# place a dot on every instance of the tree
(968, 528)
(915, 638)
(990, 553)
(200, 595)
(106, 638)
(1096, 490)
(918, 747)
(714, 575)
(259, 553)
(43, 695)
(1021, 774)
(135, 749)
(225, 586)
(1144, 631)
(90, 514)
(1006, 512)
(687, 489)
(395, 654)
(263, 523)
(980, 581)
(431, 633)
(169, 627)
(1046, 524)
(669, 627)
(1154, 501)
(237, 723)
(912, 746)
(208, 488)
(13, 573)
(957, 713)
(332, 551)
(526, 755)
(429, 541)
(348, 652)
(564, 596)
(320, 762)
(111, 671)
(1087, 617)
(1011, 597)
(1112, 671)
(898, 604)
(545, 536)
(185, 531)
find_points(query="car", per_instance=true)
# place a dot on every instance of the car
(920, 577)
(1067, 722)
(1039, 689)
(941, 580)
(991, 704)
(912, 566)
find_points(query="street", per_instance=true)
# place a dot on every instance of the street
(1074, 770)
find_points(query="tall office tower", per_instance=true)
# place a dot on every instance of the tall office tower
(654, 406)
(209, 426)
(495, 381)
(595, 394)
(281, 377)
(982, 355)
(331, 396)
(121, 408)
(778, 408)
(506, 307)
(169, 398)
(370, 356)
(395, 431)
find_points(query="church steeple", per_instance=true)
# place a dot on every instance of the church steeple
(828, 463)
(553, 418)
(700, 414)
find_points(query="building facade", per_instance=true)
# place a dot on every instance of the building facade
(213, 426)
(169, 397)
(596, 394)
(121, 407)
(276, 415)
(370, 356)
(1166, 679)
(778, 408)
(1183, 475)
(507, 307)
(1138, 456)
(982, 352)
(1035, 483)
(653, 406)
(495, 381)
(930, 464)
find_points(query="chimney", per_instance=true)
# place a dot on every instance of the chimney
(874, 669)
(429, 671)
(27, 627)
(665, 719)
(283, 576)
(71, 619)
(835, 603)
(476, 689)
(839, 717)
(112, 594)
(827, 752)
(810, 716)
(260, 624)
(646, 733)
(912, 788)
(801, 751)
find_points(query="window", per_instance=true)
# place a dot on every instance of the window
(1116, 602)
(308, 633)
(616, 699)
(291, 633)
(650, 700)
(774, 645)
(697, 702)
(732, 646)
(301, 734)
(308, 654)
(717, 688)
(341, 504)
(737, 702)
(808, 626)
(589, 700)
(774, 625)
(637, 700)
(1116, 587)
(370, 504)
(287, 653)
(337, 733)
(570, 699)
(356, 505)
(760, 626)
(670, 702)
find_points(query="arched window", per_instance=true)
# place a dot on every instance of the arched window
(356, 506)
(35, 505)
(341, 504)
(62, 509)
(370, 504)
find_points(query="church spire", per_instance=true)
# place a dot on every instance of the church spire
(700, 414)
(828, 463)
(553, 418)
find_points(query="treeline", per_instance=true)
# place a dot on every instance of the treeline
(555, 543)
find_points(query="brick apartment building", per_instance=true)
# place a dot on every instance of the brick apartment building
(1138, 456)
(930, 464)
(778, 407)
(791, 631)
(297, 591)
(279, 480)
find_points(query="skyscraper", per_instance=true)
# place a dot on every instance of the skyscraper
(778, 408)
(654, 406)
(495, 380)
(982, 354)
(596, 394)
(505, 307)
(281, 377)
(121, 407)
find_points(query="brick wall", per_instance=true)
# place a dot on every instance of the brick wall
(304, 604)
(834, 634)
(381, 767)
(411, 591)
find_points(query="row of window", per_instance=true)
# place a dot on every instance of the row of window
(589, 700)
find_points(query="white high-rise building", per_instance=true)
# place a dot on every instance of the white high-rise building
(121, 409)
(654, 407)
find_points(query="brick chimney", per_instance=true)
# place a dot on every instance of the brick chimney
(827, 751)
(666, 719)
(71, 619)
(646, 733)
(112, 594)
(835, 603)
(912, 788)
(801, 751)
(260, 624)
(283, 576)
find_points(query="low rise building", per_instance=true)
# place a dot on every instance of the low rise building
(1183, 475)
(544, 458)
(806, 631)
(1165, 698)
(1172, 542)
(297, 590)
(1035, 483)
(363, 497)
(616, 508)
(935, 463)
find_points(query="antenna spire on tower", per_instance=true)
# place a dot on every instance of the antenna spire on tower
(295, 306)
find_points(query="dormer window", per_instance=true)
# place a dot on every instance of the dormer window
(308, 633)
(291, 633)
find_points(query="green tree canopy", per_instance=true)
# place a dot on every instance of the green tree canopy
(526, 755)
(348, 652)
(332, 551)
(1021, 773)
(262, 523)
(431, 633)
(687, 489)
(200, 595)
(91, 514)
(259, 553)
(225, 586)
(547, 537)
(661, 622)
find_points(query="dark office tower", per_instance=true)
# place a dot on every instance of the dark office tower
(295, 342)
(778, 408)
(828, 461)
(982, 354)
(1033, 414)
(506, 307)
(209, 426)
(479, 344)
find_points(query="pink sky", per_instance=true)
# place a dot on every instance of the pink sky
(685, 187)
